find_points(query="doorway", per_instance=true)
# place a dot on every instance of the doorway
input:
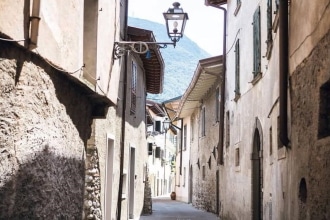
(109, 178)
(257, 174)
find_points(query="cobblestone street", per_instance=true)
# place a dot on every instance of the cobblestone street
(165, 208)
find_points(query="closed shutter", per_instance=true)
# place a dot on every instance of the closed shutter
(149, 148)
(237, 76)
(158, 126)
(157, 152)
(256, 43)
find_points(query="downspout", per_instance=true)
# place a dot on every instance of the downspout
(284, 70)
(34, 19)
(222, 85)
(181, 142)
(123, 121)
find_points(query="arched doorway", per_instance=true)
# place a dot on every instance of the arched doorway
(257, 173)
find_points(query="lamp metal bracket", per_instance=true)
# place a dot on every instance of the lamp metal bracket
(139, 47)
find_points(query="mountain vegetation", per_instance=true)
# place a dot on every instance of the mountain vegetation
(180, 62)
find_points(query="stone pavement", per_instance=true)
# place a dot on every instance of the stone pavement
(163, 208)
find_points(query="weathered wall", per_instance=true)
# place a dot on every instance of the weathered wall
(257, 102)
(44, 126)
(205, 190)
(309, 155)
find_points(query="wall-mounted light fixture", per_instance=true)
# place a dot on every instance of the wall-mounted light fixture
(175, 24)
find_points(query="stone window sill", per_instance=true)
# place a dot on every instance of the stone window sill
(256, 78)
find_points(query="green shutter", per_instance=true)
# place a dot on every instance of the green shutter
(256, 43)
(237, 75)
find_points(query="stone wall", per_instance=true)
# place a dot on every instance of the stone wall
(310, 154)
(44, 126)
(202, 148)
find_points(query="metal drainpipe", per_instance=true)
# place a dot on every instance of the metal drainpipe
(181, 142)
(35, 18)
(284, 69)
(222, 85)
(123, 120)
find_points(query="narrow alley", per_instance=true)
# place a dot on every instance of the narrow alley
(165, 208)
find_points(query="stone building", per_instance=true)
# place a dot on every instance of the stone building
(275, 147)
(46, 110)
(71, 130)
(197, 114)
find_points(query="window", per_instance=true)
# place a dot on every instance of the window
(237, 75)
(157, 154)
(270, 141)
(158, 125)
(133, 87)
(324, 111)
(192, 126)
(237, 157)
(203, 172)
(227, 129)
(256, 43)
(269, 40)
(203, 121)
(184, 137)
(279, 143)
(217, 104)
(149, 148)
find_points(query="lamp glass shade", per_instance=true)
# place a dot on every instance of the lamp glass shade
(175, 22)
(166, 124)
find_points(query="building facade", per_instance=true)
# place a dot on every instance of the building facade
(46, 110)
(275, 115)
(197, 115)
(77, 126)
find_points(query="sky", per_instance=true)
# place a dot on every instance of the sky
(204, 26)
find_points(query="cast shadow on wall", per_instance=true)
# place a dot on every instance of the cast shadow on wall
(46, 187)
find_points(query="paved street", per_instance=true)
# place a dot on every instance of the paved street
(165, 208)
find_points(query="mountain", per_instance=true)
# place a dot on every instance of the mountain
(180, 62)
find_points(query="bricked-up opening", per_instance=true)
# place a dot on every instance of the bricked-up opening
(303, 190)
(324, 111)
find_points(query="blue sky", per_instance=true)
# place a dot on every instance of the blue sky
(205, 24)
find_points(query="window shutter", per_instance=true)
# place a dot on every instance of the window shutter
(149, 148)
(256, 43)
(237, 76)
(158, 126)
(157, 152)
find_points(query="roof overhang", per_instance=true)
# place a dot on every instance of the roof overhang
(171, 107)
(207, 74)
(153, 66)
